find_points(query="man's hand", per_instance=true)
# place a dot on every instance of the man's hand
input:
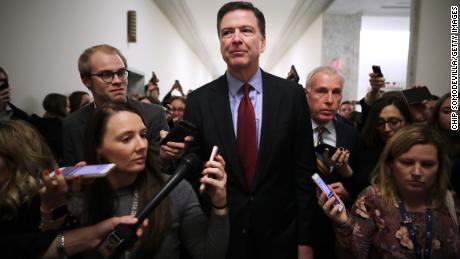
(377, 82)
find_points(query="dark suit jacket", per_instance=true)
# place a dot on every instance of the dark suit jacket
(51, 130)
(20, 237)
(270, 220)
(346, 137)
(74, 127)
(18, 114)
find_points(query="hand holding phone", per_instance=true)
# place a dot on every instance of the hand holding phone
(377, 70)
(211, 158)
(293, 75)
(326, 190)
(416, 94)
(180, 130)
(88, 171)
(321, 147)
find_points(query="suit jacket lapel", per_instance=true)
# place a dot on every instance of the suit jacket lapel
(224, 128)
(270, 106)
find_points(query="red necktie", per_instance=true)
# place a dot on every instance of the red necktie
(246, 135)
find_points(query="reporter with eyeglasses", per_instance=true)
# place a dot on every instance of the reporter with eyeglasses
(104, 71)
(386, 116)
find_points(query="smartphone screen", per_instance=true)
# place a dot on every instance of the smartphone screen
(86, 171)
(326, 190)
(322, 185)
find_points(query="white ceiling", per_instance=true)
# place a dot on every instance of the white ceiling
(371, 7)
(286, 20)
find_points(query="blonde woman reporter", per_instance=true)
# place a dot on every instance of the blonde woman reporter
(407, 212)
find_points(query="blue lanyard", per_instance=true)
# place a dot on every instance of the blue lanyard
(429, 231)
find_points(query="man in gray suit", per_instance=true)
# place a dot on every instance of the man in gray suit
(103, 69)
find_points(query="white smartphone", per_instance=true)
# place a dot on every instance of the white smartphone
(211, 158)
(86, 171)
(326, 190)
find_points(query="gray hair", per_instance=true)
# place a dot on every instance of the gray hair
(322, 69)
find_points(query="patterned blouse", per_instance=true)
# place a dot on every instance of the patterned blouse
(374, 231)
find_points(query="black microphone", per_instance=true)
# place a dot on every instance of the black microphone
(123, 236)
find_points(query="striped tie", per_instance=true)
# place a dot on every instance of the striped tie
(322, 166)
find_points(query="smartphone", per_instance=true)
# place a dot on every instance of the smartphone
(326, 190)
(293, 76)
(4, 84)
(416, 95)
(294, 70)
(376, 69)
(321, 147)
(181, 130)
(211, 158)
(86, 171)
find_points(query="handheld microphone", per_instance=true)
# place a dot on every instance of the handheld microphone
(123, 236)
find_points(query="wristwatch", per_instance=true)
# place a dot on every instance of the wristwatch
(59, 212)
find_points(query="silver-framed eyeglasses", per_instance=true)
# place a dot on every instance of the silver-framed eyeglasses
(107, 76)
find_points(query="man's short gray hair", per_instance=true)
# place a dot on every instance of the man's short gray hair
(322, 69)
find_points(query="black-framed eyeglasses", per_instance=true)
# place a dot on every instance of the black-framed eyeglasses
(393, 123)
(107, 76)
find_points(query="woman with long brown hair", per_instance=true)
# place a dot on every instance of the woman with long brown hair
(117, 134)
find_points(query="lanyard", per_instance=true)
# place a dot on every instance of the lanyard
(429, 231)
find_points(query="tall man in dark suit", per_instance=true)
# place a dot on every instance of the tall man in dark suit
(103, 69)
(261, 124)
(324, 93)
